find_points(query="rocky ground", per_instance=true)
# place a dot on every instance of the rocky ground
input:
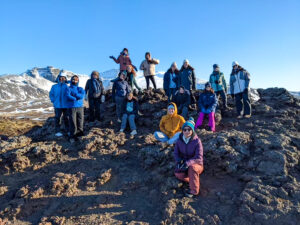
(251, 171)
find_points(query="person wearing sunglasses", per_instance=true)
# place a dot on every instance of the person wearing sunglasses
(239, 89)
(170, 126)
(188, 155)
(207, 104)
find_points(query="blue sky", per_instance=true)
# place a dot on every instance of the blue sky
(262, 35)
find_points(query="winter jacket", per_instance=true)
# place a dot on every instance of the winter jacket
(171, 124)
(187, 78)
(149, 68)
(182, 99)
(124, 61)
(120, 88)
(239, 81)
(207, 102)
(135, 107)
(74, 96)
(57, 96)
(217, 81)
(168, 77)
(89, 89)
(191, 153)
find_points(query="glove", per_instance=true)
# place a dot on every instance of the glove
(182, 166)
(136, 69)
(232, 96)
(111, 57)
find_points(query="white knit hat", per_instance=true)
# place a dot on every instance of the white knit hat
(235, 63)
(186, 60)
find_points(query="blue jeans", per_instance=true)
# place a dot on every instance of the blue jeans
(130, 118)
(242, 103)
(120, 101)
(160, 136)
(170, 93)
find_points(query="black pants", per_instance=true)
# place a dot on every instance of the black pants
(242, 103)
(76, 118)
(61, 114)
(223, 96)
(152, 78)
(94, 109)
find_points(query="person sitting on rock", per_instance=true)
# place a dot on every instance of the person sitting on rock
(188, 155)
(75, 96)
(130, 113)
(95, 92)
(170, 125)
(148, 66)
(239, 89)
(207, 104)
(124, 60)
(171, 81)
(120, 90)
(59, 103)
(218, 83)
(131, 74)
(183, 100)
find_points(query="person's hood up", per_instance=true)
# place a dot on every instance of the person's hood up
(175, 109)
(73, 78)
(61, 75)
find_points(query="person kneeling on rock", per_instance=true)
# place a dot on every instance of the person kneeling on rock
(75, 96)
(207, 104)
(189, 158)
(130, 112)
(170, 125)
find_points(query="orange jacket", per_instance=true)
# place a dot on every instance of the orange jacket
(171, 124)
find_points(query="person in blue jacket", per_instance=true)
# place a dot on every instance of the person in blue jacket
(120, 90)
(207, 104)
(187, 79)
(75, 96)
(171, 81)
(59, 103)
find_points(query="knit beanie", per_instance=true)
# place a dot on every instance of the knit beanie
(186, 61)
(216, 66)
(189, 123)
(207, 85)
(171, 107)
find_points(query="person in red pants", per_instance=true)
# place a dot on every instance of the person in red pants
(207, 104)
(189, 158)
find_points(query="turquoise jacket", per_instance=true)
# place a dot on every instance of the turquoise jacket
(217, 81)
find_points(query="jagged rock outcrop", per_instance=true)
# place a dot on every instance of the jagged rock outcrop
(251, 174)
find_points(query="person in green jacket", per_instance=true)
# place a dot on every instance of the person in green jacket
(218, 84)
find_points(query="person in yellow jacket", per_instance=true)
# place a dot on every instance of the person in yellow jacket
(170, 126)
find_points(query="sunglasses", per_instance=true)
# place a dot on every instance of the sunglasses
(187, 129)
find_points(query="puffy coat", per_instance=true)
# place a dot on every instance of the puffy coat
(149, 68)
(74, 96)
(120, 88)
(187, 78)
(217, 81)
(57, 94)
(135, 106)
(207, 102)
(171, 124)
(124, 61)
(239, 81)
(192, 152)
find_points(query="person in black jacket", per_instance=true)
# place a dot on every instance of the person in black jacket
(183, 100)
(171, 81)
(94, 90)
(130, 112)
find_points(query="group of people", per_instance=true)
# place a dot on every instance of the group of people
(175, 127)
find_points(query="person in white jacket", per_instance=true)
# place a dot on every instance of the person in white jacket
(239, 89)
(148, 66)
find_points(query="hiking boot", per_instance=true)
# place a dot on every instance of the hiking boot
(121, 130)
(247, 116)
(119, 121)
(240, 117)
(133, 132)
(58, 134)
(80, 134)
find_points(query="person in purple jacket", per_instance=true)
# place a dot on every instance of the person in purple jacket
(189, 158)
